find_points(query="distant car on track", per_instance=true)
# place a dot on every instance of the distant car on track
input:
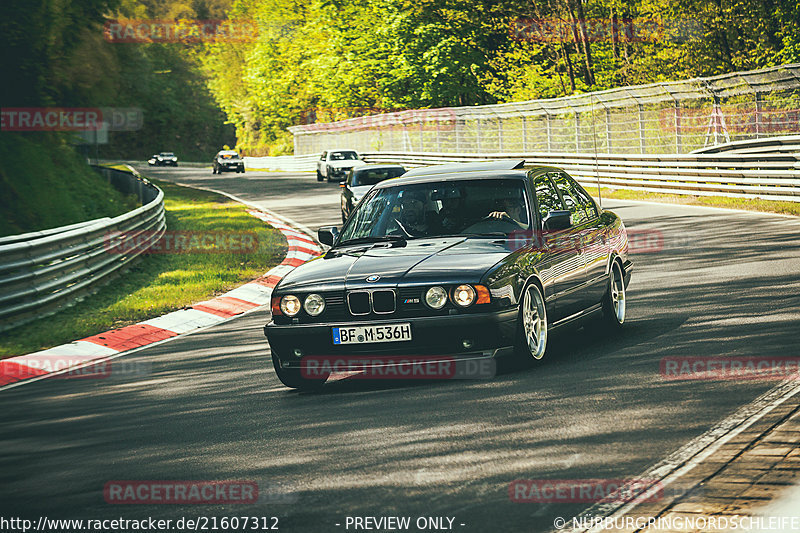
(469, 261)
(360, 180)
(163, 159)
(335, 164)
(227, 161)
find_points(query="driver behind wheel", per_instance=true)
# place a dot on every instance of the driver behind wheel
(511, 208)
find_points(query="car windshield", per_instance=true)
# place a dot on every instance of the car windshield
(341, 156)
(487, 207)
(375, 175)
(229, 155)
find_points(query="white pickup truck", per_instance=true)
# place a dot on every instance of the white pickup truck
(335, 164)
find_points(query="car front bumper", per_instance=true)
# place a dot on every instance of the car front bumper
(486, 335)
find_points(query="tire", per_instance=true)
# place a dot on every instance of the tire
(319, 176)
(614, 300)
(533, 325)
(292, 378)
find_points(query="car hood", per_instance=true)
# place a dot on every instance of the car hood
(360, 190)
(440, 260)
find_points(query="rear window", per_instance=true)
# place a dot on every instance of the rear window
(375, 175)
(341, 156)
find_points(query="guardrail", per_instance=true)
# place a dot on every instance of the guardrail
(41, 272)
(766, 176)
(284, 163)
(786, 144)
(664, 117)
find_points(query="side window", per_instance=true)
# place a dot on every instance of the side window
(583, 197)
(578, 215)
(546, 196)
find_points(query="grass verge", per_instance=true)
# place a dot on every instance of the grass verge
(46, 184)
(745, 204)
(159, 283)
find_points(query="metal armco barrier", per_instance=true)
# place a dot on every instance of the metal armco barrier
(770, 176)
(284, 163)
(41, 272)
(659, 118)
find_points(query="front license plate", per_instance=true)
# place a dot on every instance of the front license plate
(368, 334)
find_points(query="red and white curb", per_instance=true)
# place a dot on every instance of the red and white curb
(200, 315)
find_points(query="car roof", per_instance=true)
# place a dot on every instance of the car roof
(373, 166)
(231, 152)
(504, 164)
(453, 176)
(467, 171)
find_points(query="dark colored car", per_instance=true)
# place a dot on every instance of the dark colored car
(163, 159)
(227, 161)
(361, 179)
(469, 261)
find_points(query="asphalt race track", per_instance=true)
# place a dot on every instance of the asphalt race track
(721, 283)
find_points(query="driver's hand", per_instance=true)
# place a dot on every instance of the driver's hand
(498, 214)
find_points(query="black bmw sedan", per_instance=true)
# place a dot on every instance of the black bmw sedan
(468, 261)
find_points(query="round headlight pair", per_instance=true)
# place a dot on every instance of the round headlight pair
(463, 296)
(314, 305)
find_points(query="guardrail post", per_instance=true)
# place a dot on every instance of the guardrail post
(524, 133)
(641, 129)
(678, 133)
(577, 133)
(758, 115)
(608, 130)
(549, 132)
(500, 133)
(478, 134)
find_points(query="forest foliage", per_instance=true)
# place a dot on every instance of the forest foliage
(320, 60)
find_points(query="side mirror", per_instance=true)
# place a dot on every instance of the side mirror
(328, 234)
(557, 220)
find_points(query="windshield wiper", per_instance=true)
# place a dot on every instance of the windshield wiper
(382, 238)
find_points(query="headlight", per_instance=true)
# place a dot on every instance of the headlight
(315, 304)
(464, 295)
(436, 297)
(290, 305)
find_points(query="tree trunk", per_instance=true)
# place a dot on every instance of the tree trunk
(584, 35)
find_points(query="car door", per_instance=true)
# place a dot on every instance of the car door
(588, 237)
(565, 272)
(594, 243)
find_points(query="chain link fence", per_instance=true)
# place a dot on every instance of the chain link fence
(660, 118)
